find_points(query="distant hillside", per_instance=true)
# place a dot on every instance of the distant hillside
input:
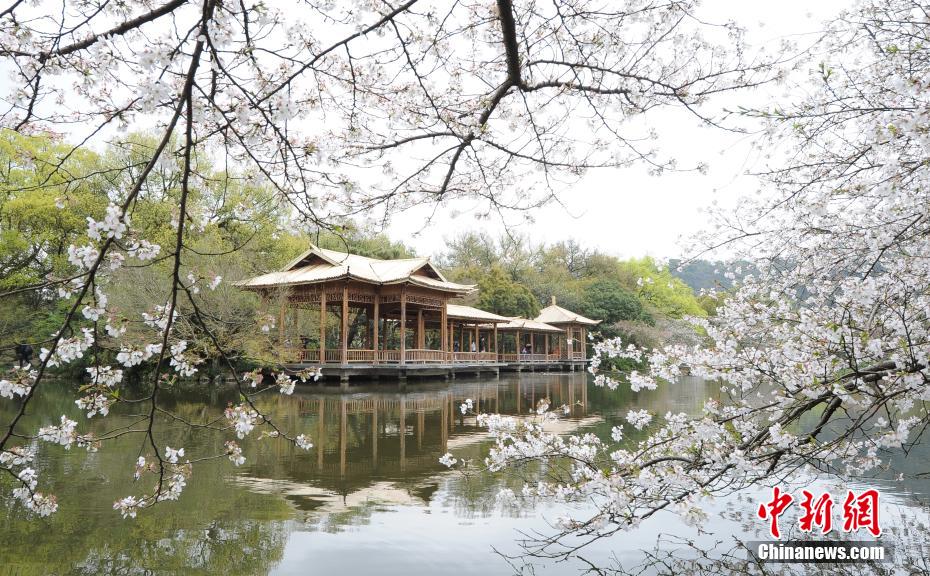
(708, 275)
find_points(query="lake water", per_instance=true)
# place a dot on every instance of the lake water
(369, 498)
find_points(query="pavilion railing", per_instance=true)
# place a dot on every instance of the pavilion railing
(389, 356)
(420, 356)
(529, 358)
(473, 357)
(366, 356)
(426, 355)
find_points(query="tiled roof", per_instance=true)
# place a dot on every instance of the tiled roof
(528, 325)
(460, 312)
(555, 314)
(318, 265)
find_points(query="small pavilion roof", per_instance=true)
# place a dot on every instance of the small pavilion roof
(460, 312)
(555, 314)
(529, 326)
(318, 265)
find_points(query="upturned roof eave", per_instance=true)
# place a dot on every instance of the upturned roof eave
(457, 289)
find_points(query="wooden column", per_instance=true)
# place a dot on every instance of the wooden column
(546, 351)
(477, 342)
(584, 341)
(323, 324)
(519, 345)
(568, 343)
(495, 339)
(403, 325)
(421, 328)
(345, 323)
(443, 328)
(376, 323)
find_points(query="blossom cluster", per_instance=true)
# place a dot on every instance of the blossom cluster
(18, 383)
(242, 418)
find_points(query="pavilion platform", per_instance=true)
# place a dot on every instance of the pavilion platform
(393, 372)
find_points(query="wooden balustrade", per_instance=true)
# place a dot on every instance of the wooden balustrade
(389, 356)
(422, 356)
(360, 356)
(425, 355)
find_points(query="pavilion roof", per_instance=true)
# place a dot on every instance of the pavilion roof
(554, 314)
(318, 265)
(460, 312)
(528, 325)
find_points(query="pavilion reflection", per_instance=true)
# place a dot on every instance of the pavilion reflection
(385, 446)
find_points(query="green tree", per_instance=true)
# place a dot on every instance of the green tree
(349, 237)
(659, 289)
(34, 231)
(607, 300)
(501, 295)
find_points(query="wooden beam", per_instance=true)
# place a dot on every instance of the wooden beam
(345, 324)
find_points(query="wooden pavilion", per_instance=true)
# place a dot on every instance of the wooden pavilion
(529, 341)
(574, 326)
(334, 307)
(369, 317)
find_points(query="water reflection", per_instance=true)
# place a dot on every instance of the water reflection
(378, 445)
(369, 497)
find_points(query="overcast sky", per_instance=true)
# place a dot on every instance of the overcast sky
(627, 212)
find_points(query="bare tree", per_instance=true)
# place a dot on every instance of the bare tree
(364, 108)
